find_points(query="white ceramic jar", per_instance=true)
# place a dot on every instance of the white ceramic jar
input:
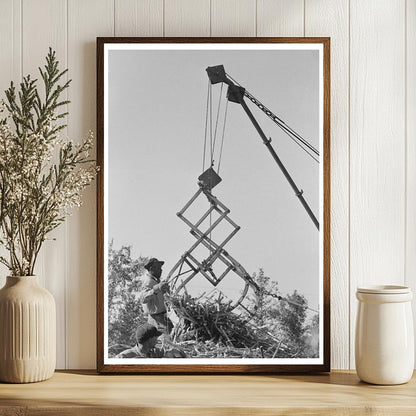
(384, 338)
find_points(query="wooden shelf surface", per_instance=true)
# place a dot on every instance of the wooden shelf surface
(86, 393)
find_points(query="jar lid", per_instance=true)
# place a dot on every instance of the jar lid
(384, 289)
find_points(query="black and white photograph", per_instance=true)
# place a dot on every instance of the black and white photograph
(213, 204)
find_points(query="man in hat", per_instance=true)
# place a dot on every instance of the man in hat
(147, 337)
(153, 296)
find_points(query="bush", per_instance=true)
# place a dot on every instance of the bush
(125, 312)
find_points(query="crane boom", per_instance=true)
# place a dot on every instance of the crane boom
(280, 123)
(236, 94)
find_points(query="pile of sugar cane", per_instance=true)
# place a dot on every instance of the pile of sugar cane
(210, 328)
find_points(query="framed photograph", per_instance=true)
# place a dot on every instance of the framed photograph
(213, 205)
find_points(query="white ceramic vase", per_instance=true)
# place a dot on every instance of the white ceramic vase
(384, 338)
(27, 331)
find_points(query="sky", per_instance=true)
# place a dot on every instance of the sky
(156, 129)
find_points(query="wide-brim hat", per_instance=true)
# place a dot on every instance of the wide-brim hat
(152, 262)
(145, 332)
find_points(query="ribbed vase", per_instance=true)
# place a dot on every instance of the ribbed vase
(27, 331)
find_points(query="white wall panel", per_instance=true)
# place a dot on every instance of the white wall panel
(10, 43)
(233, 18)
(44, 24)
(87, 20)
(138, 17)
(411, 148)
(280, 18)
(377, 146)
(330, 18)
(187, 18)
(10, 62)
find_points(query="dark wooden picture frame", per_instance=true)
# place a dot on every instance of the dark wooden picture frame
(244, 367)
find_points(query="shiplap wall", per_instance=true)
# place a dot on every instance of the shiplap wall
(373, 132)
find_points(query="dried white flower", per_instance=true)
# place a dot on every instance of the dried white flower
(42, 176)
